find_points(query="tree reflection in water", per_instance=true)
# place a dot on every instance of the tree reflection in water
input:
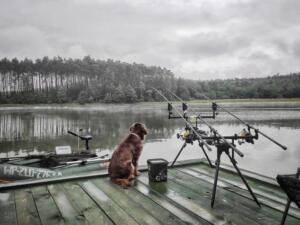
(39, 130)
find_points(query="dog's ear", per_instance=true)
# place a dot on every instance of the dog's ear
(144, 129)
(132, 127)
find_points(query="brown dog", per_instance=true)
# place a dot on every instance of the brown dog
(124, 161)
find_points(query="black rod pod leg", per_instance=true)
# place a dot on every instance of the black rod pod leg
(225, 148)
(243, 179)
(285, 212)
(87, 145)
(218, 161)
(183, 146)
(208, 159)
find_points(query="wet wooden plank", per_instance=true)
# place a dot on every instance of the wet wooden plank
(8, 210)
(46, 207)
(156, 210)
(135, 210)
(226, 203)
(111, 208)
(186, 198)
(71, 214)
(266, 196)
(159, 199)
(238, 206)
(26, 209)
(85, 204)
(249, 174)
(270, 189)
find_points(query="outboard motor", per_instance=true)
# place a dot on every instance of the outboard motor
(85, 138)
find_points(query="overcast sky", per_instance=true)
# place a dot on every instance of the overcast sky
(195, 39)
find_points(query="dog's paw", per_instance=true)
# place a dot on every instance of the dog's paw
(131, 177)
(126, 184)
(137, 173)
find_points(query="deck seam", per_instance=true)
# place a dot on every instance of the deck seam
(247, 173)
(161, 222)
(294, 215)
(30, 194)
(118, 204)
(36, 206)
(74, 205)
(141, 205)
(249, 218)
(112, 201)
(178, 205)
(56, 205)
(98, 204)
(256, 191)
(135, 190)
(191, 214)
(15, 205)
(261, 198)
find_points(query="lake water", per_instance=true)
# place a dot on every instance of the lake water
(38, 129)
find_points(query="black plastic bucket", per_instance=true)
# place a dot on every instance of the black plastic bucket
(157, 170)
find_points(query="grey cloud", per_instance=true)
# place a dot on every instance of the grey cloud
(259, 55)
(241, 37)
(296, 48)
(21, 41)
(212, 44)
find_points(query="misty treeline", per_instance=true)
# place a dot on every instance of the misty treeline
(87, 80)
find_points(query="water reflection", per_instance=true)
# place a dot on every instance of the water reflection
(42, 130)
(39, 130)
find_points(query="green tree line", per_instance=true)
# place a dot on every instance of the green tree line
(86, 80)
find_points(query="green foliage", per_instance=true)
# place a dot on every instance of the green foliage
(61, 95)
(118, 95)
(148, 95)
(130, 94)
(269, 87)
(108, 98)
(59, 80)
(83, 97)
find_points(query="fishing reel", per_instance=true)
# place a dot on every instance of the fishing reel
(185, 135)
(189, 136)
(247, 137)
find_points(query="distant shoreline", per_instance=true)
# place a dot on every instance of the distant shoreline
(257, 102)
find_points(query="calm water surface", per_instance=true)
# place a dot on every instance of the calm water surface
(38, 129)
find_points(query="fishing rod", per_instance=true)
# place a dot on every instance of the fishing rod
(187, 122)
(222, 147)
(210, 126)
(244, 122)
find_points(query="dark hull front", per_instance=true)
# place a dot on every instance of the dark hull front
(10, 172)
(50, 166)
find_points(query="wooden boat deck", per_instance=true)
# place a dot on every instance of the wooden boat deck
(183, 199)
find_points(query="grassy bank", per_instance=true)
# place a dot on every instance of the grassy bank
(240, 101)
(289, 102)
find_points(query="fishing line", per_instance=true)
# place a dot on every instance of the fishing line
(187, 122)
(213, 129)
(244, 122)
